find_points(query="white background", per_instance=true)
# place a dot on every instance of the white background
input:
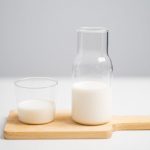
(38, 37)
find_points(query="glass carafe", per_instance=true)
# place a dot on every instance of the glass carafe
(92, 72)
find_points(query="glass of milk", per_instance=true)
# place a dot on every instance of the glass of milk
(92, 72)
(36, 99)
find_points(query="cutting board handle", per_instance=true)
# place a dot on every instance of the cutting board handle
(131, 123)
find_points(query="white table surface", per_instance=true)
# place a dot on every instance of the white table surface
(130, 96)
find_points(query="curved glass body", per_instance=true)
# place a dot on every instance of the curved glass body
(92, 72)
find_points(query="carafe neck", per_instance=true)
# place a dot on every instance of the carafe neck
(93, 40)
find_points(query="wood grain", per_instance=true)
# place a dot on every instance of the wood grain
(64, 128)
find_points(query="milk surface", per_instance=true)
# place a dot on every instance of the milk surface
(91, 103)
(36, 111)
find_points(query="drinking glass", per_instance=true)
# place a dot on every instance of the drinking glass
(36, 99)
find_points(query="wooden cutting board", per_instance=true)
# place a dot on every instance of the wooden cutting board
(64, 128)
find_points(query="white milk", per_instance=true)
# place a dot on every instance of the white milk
(91, 103)
(36, 111)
